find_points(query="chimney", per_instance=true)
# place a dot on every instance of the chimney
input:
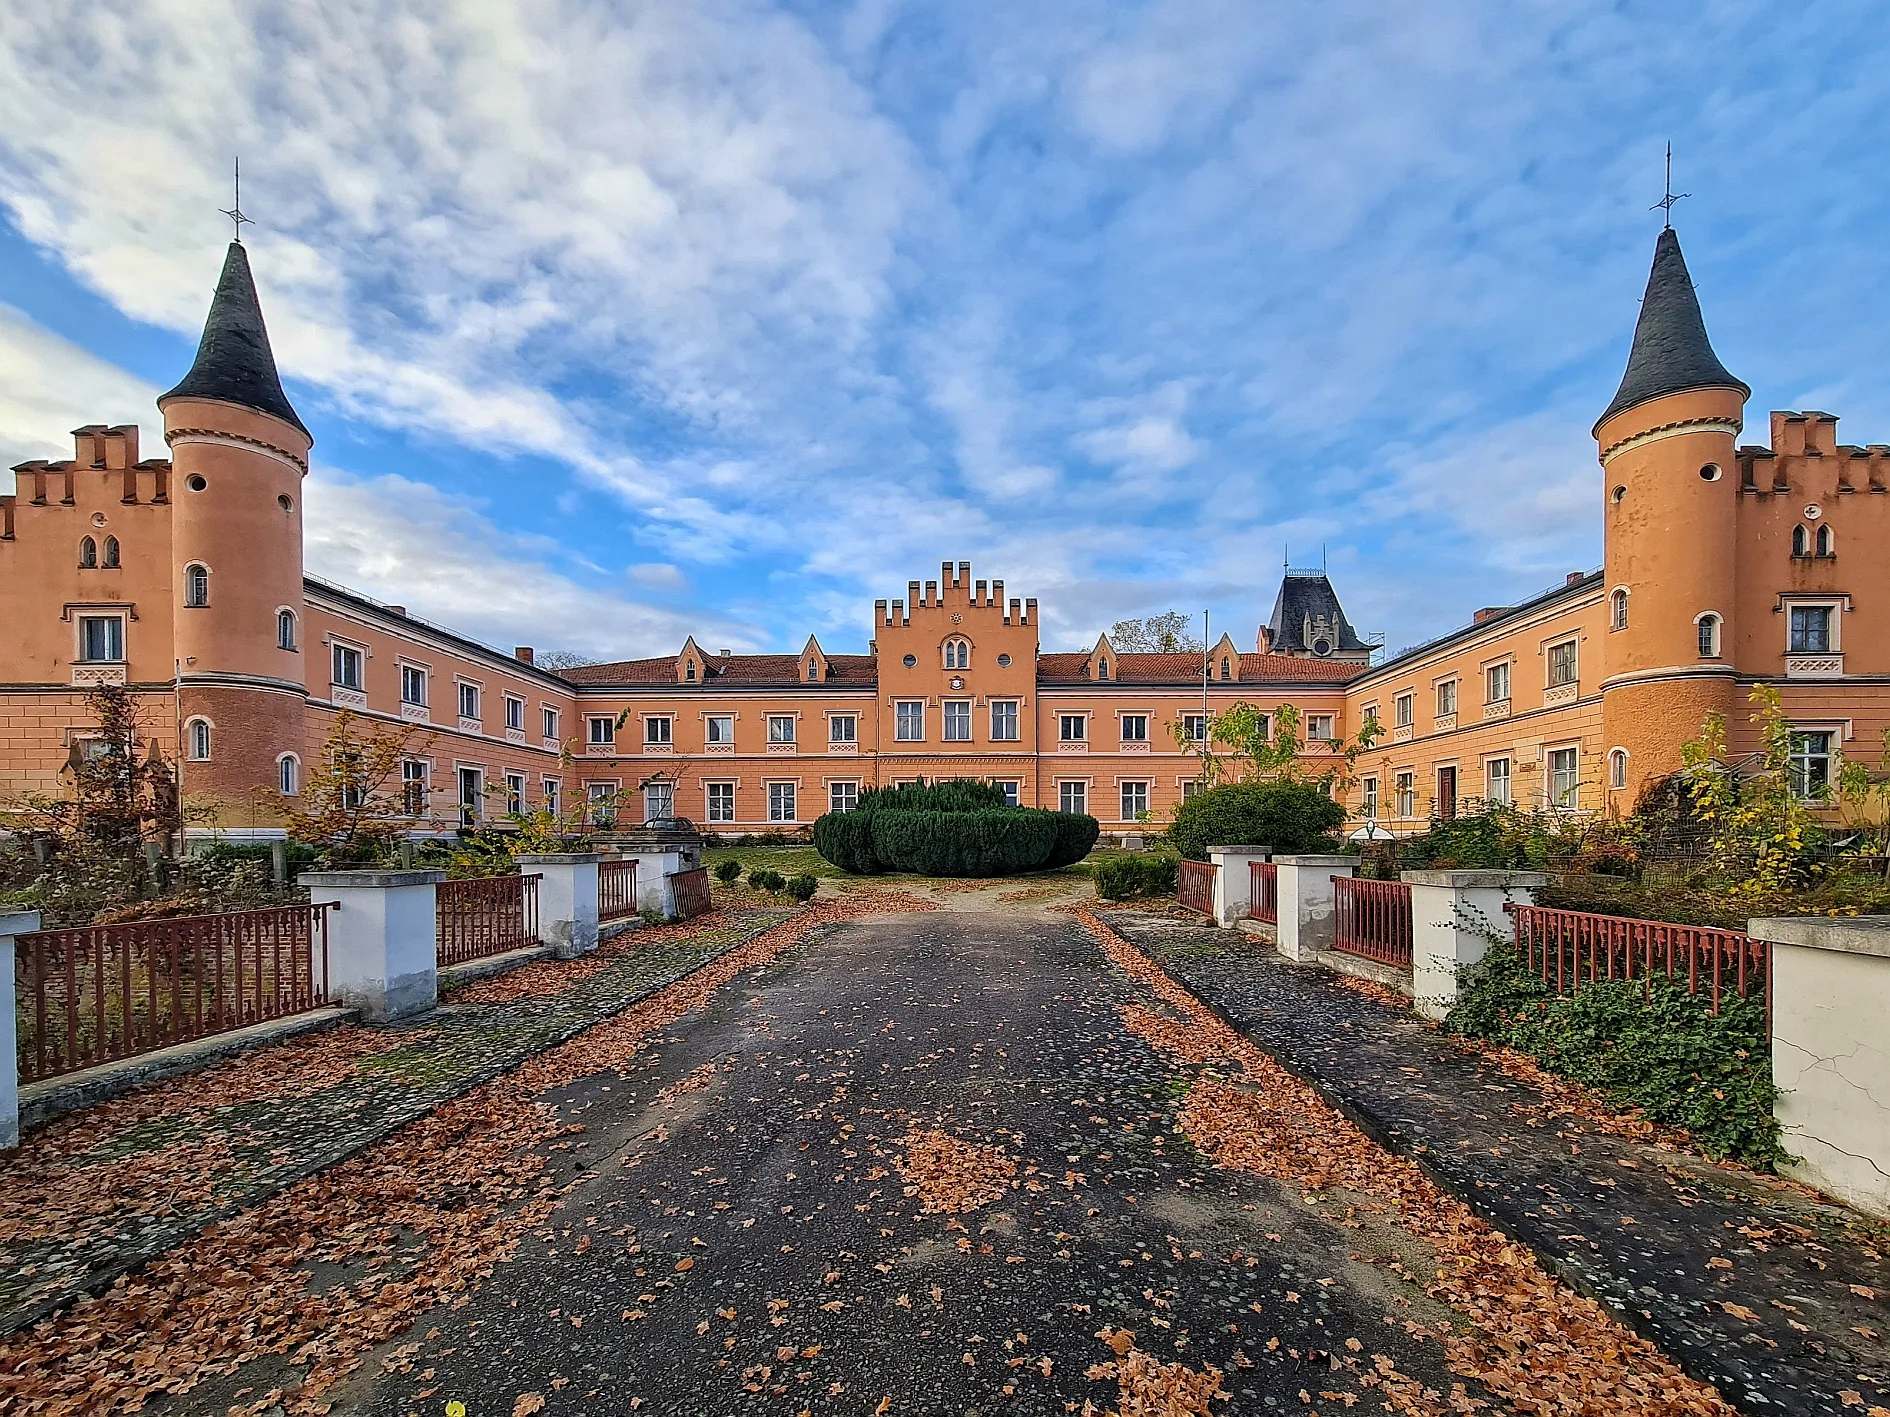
(1490, 612)
(523, 654)
(726, 654)
(399, 610)
(1572, 578)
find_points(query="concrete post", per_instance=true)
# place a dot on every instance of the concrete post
(12, 922)
(383, 943)
(1830, 1056)
(1306, 902)
(1233, 893)
(567, 900)
(655, 865)
(1455, 917)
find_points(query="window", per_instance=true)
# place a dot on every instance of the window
(472, 797)
(286, 774)
(1135, 728)
(603, 802)
(1447, 698)
(1368, 798)
(781, 730)
(843, 796)
(1801, 541)
(413, 685)
(101, 638)
(1134, 801)
(515, 793)
(1617, 769)
(843, 728)
(196, 585)
(413, 787)
(1403, 710)
(1617, 610)
(781, 801)
(1405, 789)
(1810, 764)
(1562, 664)
(1827, 541)
(1194, 727)
(552, 795)
(469, 701)
(88, 553)
(909, 721)
(1565, 777)
(346, 668)
(549, 721)
(957, 654)
(1496, 684)
(957, 720)
(1226, 669)
(1190, 788)
(1073, 797)
(1010, 792)
(721, 801)
(1496, 781)
(110, 561)
(659, 801)
(285, 629)
(199, 740)
(1004, 721)
(1072, 728)
(1445, 803)
(1709, 636)
(719, 728)
(514, 714)
(689, 671)
(656, 732)
(1004, 661)
(603, 732)
(813, 671)
(1318, 727)
(1811, 629)
(1102, 669)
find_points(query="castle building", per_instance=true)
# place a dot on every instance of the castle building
(182, 579)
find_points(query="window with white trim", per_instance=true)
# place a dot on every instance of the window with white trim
(1447, 698)
(1565, 778)
(285, 630)
(1134, 801)
(1562, 668)
(601, 797)
(1810, 629)
(1319, 728)
(88, 554)
(101, 639)
(958, 654)
(1496, 683)
(413, 787)
(1617, 769)
(1827, 540)
(1073, 797)
(110, 558)
(514, 714)
(656, 732)
(843, 728)
(1810, 763)
(909, 721)
(1368, 798)
(345, 667)
(659, 801)
(843, 796)
(199, 731)
(603, 732)
(413, 685)
(719, 728)
(548, 721)
(553, 794)
(1010, 786)
(469, 701)
(781, 805)
(287, 774)
(1404, 787)
(1072, 728)
(472, 796)
(1709, 636)
(1194, 727)
(1135, 728)
(196, 585)
(1496, 781)
(781, 730)
(1617, 609)
(721, 801)
(515, 793)
(957, 720)
(1403, 710)
(1004, 720)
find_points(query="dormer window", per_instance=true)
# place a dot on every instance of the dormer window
(689, 671)
(1102, 669)
(958, 654)
(813, 671)
(1227, 671)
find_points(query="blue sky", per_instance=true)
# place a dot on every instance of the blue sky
(617, 322)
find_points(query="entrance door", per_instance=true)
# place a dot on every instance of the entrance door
(1447, 793)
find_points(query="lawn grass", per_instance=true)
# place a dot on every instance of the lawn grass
(795, 860)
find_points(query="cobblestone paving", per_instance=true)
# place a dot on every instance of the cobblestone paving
(1742, 1279)
(93, 1195)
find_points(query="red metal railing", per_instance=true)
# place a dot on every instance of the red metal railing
(1263, 891)
(1373, 919)
(1194, 885)
(1570, 948)
(616, 890)
(485, 915)
(96, 993)
(692, 893)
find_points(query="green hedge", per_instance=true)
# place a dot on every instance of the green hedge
(1137, 873)
(955, 828)
(1287, 816)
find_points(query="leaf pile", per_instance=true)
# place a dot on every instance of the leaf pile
(1149, 1387)
(950, 1175)
(417, 1222)
(1534, 1343)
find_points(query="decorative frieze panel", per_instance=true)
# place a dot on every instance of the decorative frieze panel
(1072, 747)
(1138, 746)
(413, 713)
(91, 676)
(1814, 666)
(783, 748)
(515, 735)
(659, 750)
(1445, 723)
(471, 725)
(346, 698)
(843, 748)
(1499, 709)
(1561, 694)
(1401, 734)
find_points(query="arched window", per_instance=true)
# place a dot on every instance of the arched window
(1617, 768)
(1709, 635)
(1827, 541)
(1617, 609)
(198, 731)
(196, 585)
(1801, 541)
(111, 554)
(958, 654)
(1227, 672)
(88, 553)
(813, 670)
(285, 629)
(287, 771)
(1102, 669)
(689, 671)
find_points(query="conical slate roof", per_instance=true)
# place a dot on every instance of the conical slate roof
(1671, 351)
(234, 362)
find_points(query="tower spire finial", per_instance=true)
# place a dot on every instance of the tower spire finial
(1666, 202)
(235, 210)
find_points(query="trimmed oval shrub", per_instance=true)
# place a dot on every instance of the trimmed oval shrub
(1287, 816)
(954, 828)
(1136, 873)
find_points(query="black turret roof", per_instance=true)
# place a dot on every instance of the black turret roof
(234, 362)
(1308, 608)
(1671, 351)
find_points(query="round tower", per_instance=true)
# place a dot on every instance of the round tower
(239, 454)
(1671, 504)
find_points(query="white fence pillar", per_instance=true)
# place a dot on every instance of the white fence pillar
(12, 922)
(655, 865)
(1455, 917)
(1830, 1054)
(1233, 888)
(383, 943)
(1306, 902)
(567, 900)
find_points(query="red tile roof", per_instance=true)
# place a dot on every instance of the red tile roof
(854, 670)
(781, 669)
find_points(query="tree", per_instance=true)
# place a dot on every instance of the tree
(1285, 815)
(1168, 633)
(1268, 747)
(121, 798)
(1766, 834)
(556, 659)
(354, 804)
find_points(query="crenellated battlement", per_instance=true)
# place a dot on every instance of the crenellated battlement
(1806, 457)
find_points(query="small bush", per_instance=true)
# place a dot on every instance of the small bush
(802, 887)
(956, 828)
(728, 872)
(1137, 874)
(1286, 816)
(769, 881)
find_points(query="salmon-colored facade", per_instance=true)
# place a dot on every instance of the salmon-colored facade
(1726, 566)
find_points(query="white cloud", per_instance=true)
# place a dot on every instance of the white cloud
(1151, 436)
(49, 385)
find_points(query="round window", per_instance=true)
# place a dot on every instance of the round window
(910, 660)
(1004, 661)
(195, 483)
(1710, 473)
(284, 502)
(1322, 647)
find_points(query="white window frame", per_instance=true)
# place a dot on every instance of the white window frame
(1314, 723)
(1403, 711)
(843, 796)
(659, 731)
(1702, 630)
(601, 795)
(658, 795)
(1834, 619)
(514, 714)
(552, 791)
(1447, 691)
(716, 795)
(198, 738)
(1618, 608)
(1013, 790)
(114, 638)
(843, 728)
(515, 793)
(1073, 789)
(1079, 733)
(550, 720)
(415, 771)
(1128, 789)
(473, 812)
(957, 653)
(1404, 794)
(1574, 659)
(1491, 776)
(958, 731)
(1834, 734)
(409, 674)
(601, 730)
(1188, 722)
(784, 801)
(1491, 674)
(1551, 773)
(781, 728)
(1617, 769)
(342, 655)
(287, 617)
(463, 688)
(1135, 728)
(1006, 721)
(908, 713)
(1368, 797)
(288, 775)
(196, 586)
(719, 728)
